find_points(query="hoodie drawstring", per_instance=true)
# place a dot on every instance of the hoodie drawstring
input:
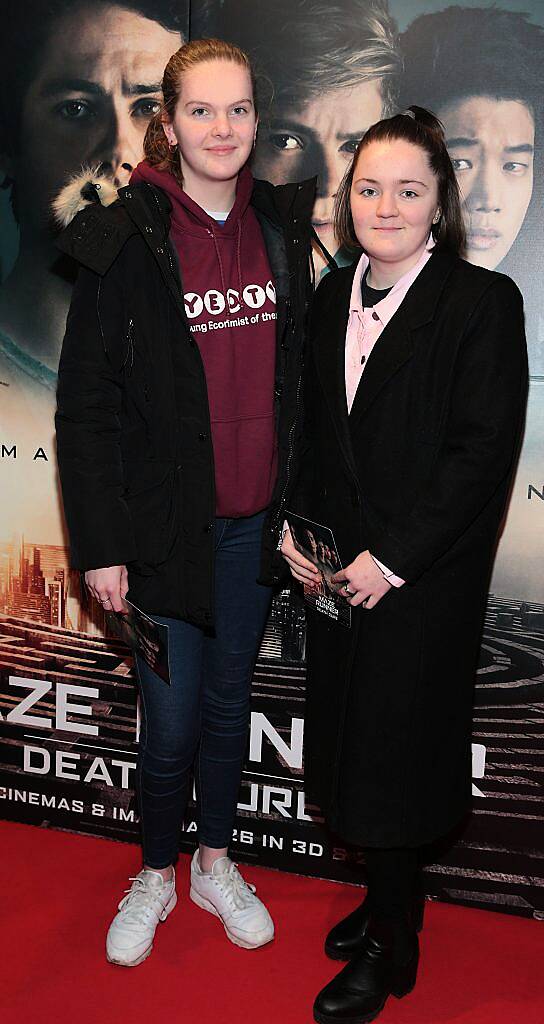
(221, 271)
(238, 263)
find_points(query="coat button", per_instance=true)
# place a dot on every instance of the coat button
(148, 229)
(128, 195)
(202, 437)
(160, 251)
(375, 315)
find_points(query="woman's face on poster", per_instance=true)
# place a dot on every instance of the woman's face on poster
(491, 144)
(96, 88)
(318, 137)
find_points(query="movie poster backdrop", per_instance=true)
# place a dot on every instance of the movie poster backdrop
(79, 83)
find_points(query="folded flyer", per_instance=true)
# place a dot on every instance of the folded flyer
(317, 543)
(146, 637)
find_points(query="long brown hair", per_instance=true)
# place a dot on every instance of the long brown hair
(157, 149)
(423, 129)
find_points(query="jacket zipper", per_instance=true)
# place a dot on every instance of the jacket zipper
(171, 262)
(130, 345)
(98, 315)
(291, 446)
(169, 254)
(290, 454)
(175, 276)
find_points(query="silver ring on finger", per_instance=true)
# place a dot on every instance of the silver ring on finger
(350, 593)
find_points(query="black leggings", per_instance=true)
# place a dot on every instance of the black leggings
(393, 880)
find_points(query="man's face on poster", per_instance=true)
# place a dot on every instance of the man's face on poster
(318, 137)
(96, 88)
(491, 143)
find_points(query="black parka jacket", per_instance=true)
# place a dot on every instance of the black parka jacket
(133, 424)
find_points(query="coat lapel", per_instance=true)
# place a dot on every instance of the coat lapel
(396, 343)
(329, 356)
(393, 348)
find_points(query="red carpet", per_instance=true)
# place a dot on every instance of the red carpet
(59, 892)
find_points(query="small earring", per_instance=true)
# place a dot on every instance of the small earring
(437, 217)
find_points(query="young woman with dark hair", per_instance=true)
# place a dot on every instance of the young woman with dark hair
(415, 391)
(178, 404)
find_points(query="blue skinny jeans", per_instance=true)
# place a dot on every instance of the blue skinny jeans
(201, 720)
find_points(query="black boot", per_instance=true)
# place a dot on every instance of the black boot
(386, 965)
(345, 940)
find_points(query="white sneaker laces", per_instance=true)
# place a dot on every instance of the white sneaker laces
(238, 893)
(139, 901)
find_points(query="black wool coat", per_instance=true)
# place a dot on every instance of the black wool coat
(133, 423)
(418, 474)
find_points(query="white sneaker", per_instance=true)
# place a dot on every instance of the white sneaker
(224, 893)
(149, 900)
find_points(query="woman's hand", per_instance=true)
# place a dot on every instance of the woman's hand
(301, 568)
(109, 586)
(364, 583)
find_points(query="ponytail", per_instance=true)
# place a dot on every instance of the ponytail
(158, 151)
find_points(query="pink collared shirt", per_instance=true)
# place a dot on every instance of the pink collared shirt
(364, 329)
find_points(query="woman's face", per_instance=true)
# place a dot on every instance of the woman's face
(94, 93)
(394, 198)
(214, 122)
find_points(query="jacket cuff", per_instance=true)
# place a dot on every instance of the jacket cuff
(389, 551)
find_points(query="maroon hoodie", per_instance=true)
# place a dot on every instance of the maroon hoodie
(230, 301)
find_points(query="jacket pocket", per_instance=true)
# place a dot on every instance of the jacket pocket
(151, 495)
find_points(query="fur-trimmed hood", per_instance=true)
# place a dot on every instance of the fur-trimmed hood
(96, 220)
(91, 185)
